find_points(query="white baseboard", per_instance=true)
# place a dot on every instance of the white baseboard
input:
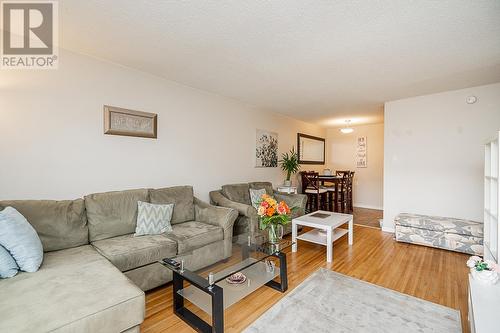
(388, 229)
(360, 205)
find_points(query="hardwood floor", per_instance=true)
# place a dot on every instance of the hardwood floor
(367, 217)
(435, 275)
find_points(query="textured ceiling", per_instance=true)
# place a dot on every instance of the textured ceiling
(320, 61)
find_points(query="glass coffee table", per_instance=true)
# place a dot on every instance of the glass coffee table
(210, 289)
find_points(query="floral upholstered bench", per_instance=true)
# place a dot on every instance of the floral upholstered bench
(441, 232)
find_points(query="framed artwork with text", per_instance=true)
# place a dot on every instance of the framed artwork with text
(119, 121)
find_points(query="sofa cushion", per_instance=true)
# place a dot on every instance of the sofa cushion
(181, 196)
(192, 235)
(75, 290)
(113, 214)
(237, 192)
(59, 224)
(443, 224)
(128, 252)
(262, 185)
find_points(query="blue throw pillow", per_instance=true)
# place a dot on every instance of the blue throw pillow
(8, 266)
(19, 238)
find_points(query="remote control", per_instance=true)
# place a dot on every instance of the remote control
(172, 262)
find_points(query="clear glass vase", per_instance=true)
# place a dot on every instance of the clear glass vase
(275, 232)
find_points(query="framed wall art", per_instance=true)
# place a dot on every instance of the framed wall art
(361, 152)
(119, 121)
(266, 149)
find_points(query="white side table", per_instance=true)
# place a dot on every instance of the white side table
(326, 229)
(287, 189)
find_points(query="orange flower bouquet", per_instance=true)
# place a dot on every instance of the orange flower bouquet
(273, 216)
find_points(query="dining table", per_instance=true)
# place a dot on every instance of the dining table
(329, 179)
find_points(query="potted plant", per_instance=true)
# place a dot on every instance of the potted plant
(290, 164)
(484, 271)
(273, 216)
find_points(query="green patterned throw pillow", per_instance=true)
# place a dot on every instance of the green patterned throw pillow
(153, 219)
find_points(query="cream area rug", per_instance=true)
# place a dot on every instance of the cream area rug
(331, 302)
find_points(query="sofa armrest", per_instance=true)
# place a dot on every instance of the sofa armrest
(219, 216)
(220, 200)
(297, 201)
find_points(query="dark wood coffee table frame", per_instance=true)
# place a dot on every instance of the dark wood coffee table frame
(216, 293)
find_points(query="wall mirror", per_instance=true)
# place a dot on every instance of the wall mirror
(311, 149)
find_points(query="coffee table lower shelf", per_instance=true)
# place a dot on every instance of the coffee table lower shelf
(214, 299)
(318, 236)
(257, 276)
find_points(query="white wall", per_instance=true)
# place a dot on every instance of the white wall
(52, 143)
(434, 153)
(341, 153)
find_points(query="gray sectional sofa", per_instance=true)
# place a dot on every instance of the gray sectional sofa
(95, 271)
(237, 196)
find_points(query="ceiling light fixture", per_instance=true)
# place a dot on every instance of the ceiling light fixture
(347, 129)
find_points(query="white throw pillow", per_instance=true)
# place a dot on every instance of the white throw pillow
(256, 196)
(153, 219)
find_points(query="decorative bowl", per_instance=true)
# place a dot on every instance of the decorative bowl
(236, 278)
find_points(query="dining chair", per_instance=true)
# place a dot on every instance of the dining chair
(316, 196)
(340, 173)
(331, 187)
(345, 192)
(350, 191)
(342, 202)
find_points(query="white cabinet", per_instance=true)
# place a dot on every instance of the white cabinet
(491, 198)
(484, 301)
